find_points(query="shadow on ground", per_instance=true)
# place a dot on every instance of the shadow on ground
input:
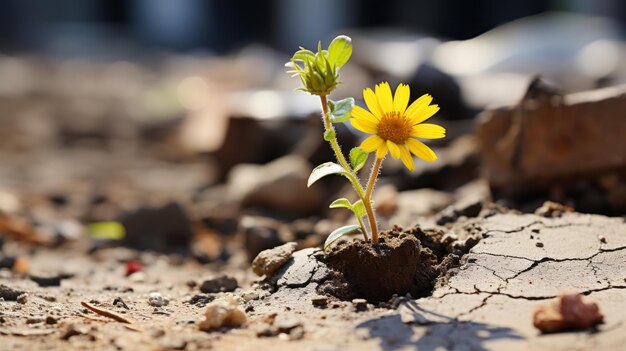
(448, 333)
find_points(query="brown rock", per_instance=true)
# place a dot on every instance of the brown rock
(386, 200)
(569, 311)
(269, 261)
(552, 209)
(548, 138)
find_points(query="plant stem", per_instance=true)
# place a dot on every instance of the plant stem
(342, 161)
(367, 199)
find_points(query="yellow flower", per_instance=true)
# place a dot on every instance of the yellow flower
(394, 126)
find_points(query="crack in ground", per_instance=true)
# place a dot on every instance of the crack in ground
(541, 223)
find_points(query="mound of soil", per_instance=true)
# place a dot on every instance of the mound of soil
(398, 264)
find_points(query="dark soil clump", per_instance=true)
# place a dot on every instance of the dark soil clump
(398, 264)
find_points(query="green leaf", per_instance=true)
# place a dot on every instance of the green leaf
(339, 232)
(302, 54)
(329, 135)
(341, 203)
(358, 208)
(358, 157)
(331, 106)
(340, 50)
(111, 230)
(325, 169)
(342, 110)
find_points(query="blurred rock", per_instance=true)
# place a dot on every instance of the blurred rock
(549, 140)
(570, 311)
(166, 228)
(279, 186)
(255, 140)
(385, 199)
(259, 233)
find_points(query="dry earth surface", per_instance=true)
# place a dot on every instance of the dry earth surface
(485, 304)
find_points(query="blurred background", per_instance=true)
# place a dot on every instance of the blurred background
(177, 119)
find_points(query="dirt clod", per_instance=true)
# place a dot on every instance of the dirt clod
(569, 311)
(372, 269)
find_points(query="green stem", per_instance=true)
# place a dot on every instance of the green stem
(342, 161)
(367, 199)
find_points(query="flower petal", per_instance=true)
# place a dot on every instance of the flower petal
(372, 143)
(372, 103)
(363, 125)
(406, 158)
(420, 150)
(401, 98)
(382, 151)
(385, 100)
(418, 105)
(428, 131)
(393, 149)
(424, 114)
(359, 112)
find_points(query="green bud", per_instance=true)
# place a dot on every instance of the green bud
(318, 71)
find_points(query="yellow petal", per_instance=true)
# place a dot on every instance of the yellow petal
(382, 151)
(418, 105)
(385, 100)
(372, 103)
(428, 131)
(424, 114)
(420, 150)
(363, 125)
(359, 112)
(401, 98)
(393, 149)
(406, 158)
(372, 143)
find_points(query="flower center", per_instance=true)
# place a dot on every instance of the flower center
(393, 126)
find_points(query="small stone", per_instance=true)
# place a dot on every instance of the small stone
(320, 301)
(138, 277)
(51, 320)
(570, 311)
(220, 284)
(267, 262)
(156, 300)
(223, 312)
(120, 303)
(286, 324)
(602, 239)
(191, 283)
(359, 304)
(250, 295)
(22, 299)
(70, 331)
(9, 294)
(539, 244)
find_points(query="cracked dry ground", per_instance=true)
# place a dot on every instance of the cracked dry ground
(485, 304)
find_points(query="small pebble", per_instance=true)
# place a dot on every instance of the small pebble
(51, 320)
(138, 277)
(156, 300)
(23, 298)
(320, 301)
(539, 244)
(602, 239)
(359, 304)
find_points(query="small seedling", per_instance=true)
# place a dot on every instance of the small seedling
(394, 126)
